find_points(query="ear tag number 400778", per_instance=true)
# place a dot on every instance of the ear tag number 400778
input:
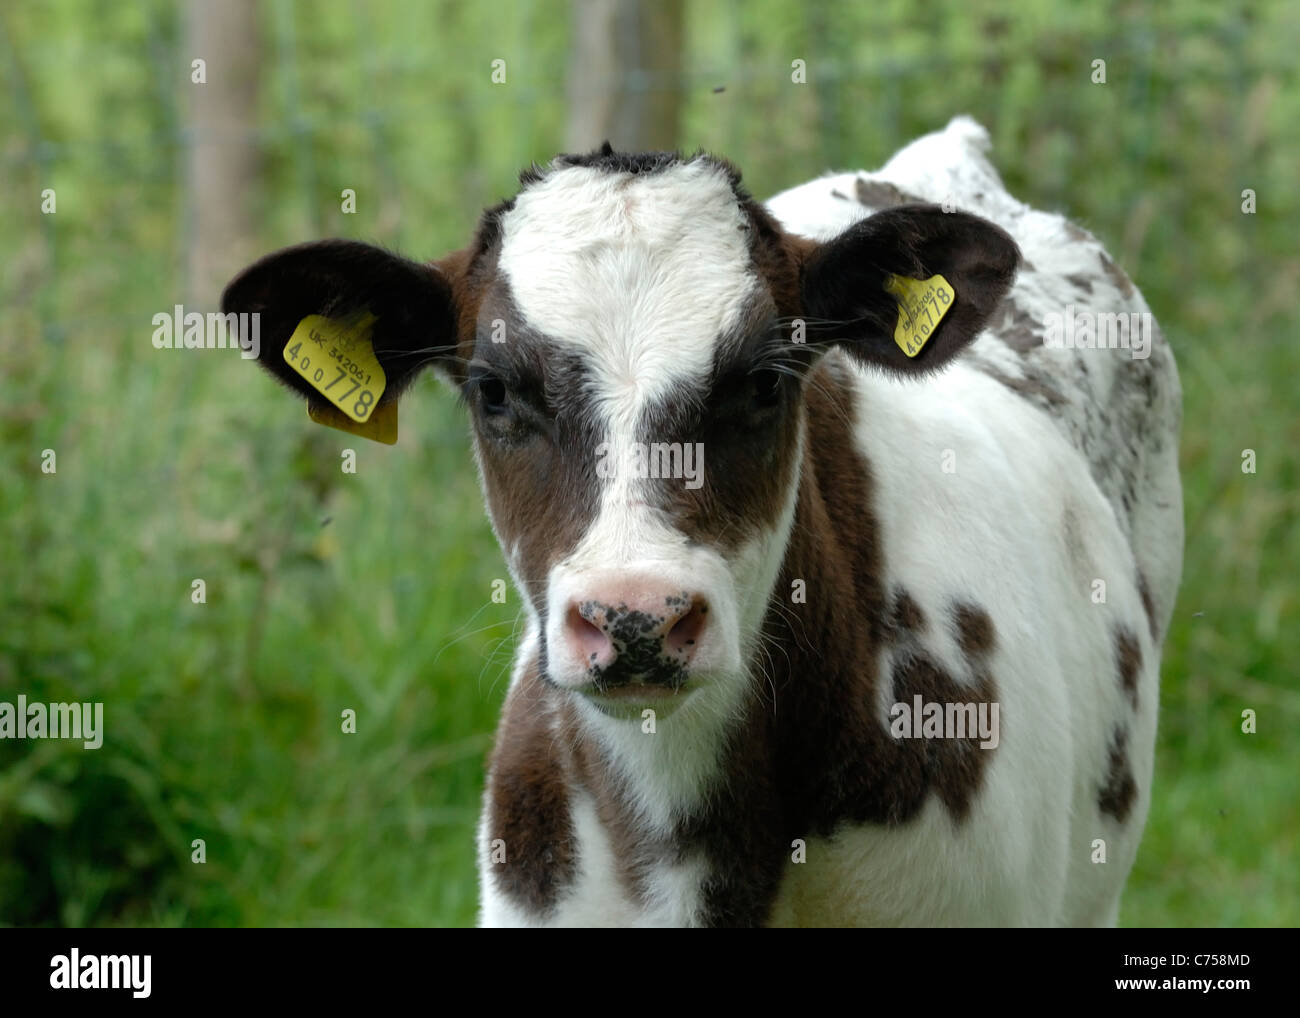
(336, 359)
(922, 303)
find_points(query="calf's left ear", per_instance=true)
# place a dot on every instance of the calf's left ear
(847, 303)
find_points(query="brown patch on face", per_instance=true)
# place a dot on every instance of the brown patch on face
(521, 469)
(1116, 275)
(1118, 790)
(748, 464)
(1128, 660)
(1148, 606)
(528, 804)
(880, 194)
(539, 459)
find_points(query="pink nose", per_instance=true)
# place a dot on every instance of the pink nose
(643, 631)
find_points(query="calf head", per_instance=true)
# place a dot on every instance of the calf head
(632, 335)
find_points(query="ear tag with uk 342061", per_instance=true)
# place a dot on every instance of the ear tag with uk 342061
(922, 303)
(336, 358)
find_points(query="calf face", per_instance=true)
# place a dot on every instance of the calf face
(632, 335)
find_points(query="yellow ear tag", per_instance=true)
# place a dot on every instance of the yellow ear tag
(380, 426)
(922, 303)
(336, 358)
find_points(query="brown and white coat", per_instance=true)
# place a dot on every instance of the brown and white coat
(867, 529)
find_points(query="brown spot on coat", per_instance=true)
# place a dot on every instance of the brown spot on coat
(1148, 605)
(1118, 789)
(908, 616)
(1128, 660)
(880, 194)
(1031, 386)
(633, 849)
(1017, 328)
(1080, 282)
(951, 768)
(1116, 275)
(1077, 233)
(975, 634)
(528, 805)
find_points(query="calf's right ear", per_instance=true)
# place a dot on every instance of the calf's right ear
(414, 321)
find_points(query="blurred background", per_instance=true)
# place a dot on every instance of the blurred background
(372, 592)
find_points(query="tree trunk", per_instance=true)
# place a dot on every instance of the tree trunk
(624, 84)
(223, 159)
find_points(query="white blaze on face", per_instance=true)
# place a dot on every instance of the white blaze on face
(641, 274)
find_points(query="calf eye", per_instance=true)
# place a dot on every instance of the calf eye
(765, 389)
(493, 397)
(492, 391)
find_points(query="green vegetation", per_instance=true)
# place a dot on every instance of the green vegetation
(371, 591)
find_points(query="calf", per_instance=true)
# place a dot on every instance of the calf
(886, 649)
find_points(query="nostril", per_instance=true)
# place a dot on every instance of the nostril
(685, 634)
(589, 639)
